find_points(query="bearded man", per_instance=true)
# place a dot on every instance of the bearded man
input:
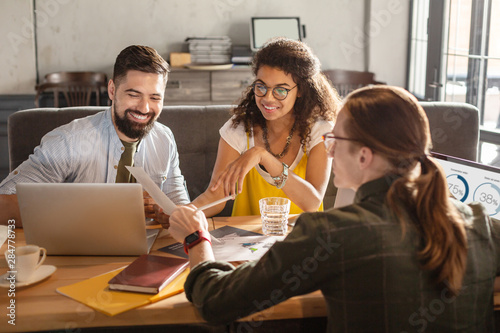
(96, 149)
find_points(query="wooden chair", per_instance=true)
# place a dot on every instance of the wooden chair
(346, 81)
(76, 87)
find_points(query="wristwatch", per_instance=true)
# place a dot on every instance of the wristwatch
(194, 238)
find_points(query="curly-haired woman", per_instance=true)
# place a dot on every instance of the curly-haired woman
(271, 147)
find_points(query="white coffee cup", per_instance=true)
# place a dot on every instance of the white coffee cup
(26, 260)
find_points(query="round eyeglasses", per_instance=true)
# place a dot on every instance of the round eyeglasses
(280, 93)
(329, 141)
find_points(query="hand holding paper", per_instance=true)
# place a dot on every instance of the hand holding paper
(154, 191)
(161, 199)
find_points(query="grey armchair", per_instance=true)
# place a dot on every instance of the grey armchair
(454, 128)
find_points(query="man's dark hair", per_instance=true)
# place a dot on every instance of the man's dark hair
(139, 58)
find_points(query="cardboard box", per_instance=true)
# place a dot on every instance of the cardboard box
(179, 59)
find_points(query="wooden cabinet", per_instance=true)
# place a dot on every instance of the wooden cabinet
(187, 86)
(205, 87)
(230, 85)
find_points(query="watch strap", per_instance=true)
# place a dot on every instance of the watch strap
(195, 238)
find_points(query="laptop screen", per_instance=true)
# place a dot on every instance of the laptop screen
(85, 219)
(467, 181)
(470, 181)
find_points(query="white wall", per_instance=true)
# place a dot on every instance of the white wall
(88, 34)
(388, 32)
(17, 51)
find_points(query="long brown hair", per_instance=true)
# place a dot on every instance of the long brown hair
(392, 123)
(318, 100)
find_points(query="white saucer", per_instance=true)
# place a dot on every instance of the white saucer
(41, 273)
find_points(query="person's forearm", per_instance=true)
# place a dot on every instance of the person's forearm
(199, 253)
(302, 193)
(208, 197)
(298, 190)
(9, 210)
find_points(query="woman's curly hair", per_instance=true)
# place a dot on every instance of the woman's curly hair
(318, 99)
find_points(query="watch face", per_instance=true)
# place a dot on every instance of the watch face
(192, 237)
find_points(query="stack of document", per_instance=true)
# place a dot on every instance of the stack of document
(234, 247)
(210, 50)
(241, 55)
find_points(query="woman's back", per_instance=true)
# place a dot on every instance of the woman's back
(373, 279)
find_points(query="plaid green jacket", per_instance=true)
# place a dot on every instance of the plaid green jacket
(367, 271)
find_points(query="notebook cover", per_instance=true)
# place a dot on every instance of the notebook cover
(95, 293)
(148, 274)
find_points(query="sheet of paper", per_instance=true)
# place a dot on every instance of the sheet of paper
(226, 244)
(154, 191)
(237, 248)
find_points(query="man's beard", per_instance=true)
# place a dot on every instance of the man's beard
(130, 128)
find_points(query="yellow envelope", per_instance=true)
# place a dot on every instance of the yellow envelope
(94, 292)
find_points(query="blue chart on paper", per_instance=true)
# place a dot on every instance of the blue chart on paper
(470, 181)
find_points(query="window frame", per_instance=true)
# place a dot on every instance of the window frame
(438, 50)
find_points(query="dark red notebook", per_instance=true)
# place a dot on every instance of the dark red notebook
(148, 274)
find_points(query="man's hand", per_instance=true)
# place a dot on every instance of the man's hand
(149, 203)
(161, 217)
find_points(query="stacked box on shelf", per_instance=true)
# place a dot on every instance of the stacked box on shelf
(210, 50)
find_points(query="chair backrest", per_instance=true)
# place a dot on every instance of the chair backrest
(76, 87)
(195, 128)
(454, 128)
(346, 81)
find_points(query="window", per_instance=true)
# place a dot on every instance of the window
(418, 48)
(462, 60)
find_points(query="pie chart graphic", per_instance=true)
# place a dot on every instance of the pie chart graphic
(458, 186)
(489, 195)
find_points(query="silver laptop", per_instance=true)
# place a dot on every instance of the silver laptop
(85, 219)
(471, 181)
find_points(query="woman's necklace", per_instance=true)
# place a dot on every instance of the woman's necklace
(287, 145)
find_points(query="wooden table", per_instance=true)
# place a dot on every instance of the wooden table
(39, 307)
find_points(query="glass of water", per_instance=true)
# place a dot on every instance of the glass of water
(274, 215)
